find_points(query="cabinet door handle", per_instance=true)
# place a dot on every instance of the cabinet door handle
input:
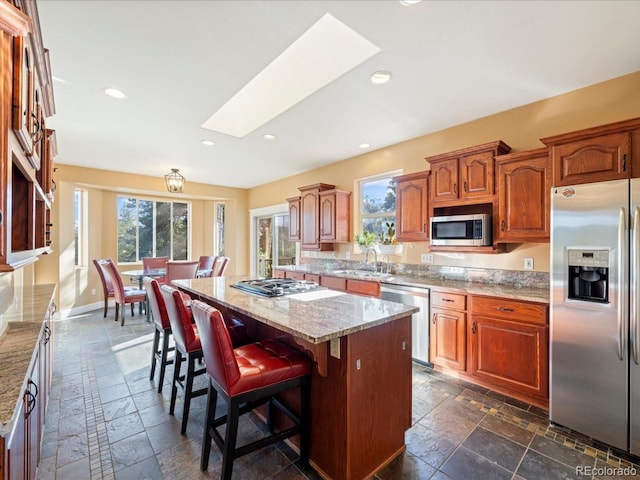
(455, 188)
(433, 318)
(474, 327)
(464, 186)
(447, 300)
(47, 335)
(502, 225)
(624, 162)
(505, 309)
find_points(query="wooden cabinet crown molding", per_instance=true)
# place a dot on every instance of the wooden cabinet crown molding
(622, 126)
(498, 146)
(13, 21)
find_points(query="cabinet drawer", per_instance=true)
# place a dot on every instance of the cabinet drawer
(514, 310)
(278, 273)
(335, 283)
(363, 287)
(456, 301)
(295, 275)
(312, 277)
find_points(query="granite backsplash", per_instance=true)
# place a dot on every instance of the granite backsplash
(516, 278)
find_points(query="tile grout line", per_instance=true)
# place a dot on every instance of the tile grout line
(548, 433)
(100, 463)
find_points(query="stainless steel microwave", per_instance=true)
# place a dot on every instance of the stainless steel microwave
(462, 230)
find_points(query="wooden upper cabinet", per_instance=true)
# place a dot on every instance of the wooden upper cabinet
(444, 181)
(294, 218)
(595, 154)
(310, 217)
(523, 182)
(476, 176)
(464, 176)
(335, 219)
(412, 214)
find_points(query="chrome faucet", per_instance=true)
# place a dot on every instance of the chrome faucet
(386, 265)
(375, 257)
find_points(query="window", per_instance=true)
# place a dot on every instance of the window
(377, 203)
(218, 234)
(79, 226)
(149, 228)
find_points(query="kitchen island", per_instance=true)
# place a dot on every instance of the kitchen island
(361, 384)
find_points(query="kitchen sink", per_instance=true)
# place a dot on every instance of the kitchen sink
(361, 273)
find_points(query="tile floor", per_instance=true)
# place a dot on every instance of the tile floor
(106, 421)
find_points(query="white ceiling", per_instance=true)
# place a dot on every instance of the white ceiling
(180, 61)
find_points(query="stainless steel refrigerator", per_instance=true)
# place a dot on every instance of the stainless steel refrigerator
(594, 364)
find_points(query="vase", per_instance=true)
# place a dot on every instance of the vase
(390, 249)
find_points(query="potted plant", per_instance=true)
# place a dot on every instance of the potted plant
(388, 243)
(365, 240)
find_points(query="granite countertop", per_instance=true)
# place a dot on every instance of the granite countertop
(22, 312)
(316, 316)
(514, 292)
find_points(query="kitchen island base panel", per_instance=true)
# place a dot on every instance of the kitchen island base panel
(360, 402)
(361, 408)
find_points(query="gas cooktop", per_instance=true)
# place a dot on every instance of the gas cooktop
(275, 287)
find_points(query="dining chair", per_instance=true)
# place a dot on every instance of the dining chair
(245, 378)
(105, 278)
(123, 296)
(219, 266)
(206, 262)
(187, 342)
(155, 300)
(180, 270)
(155, 263)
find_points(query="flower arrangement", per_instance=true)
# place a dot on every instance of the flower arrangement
(388, 244)
(365, 239)
(389, 237)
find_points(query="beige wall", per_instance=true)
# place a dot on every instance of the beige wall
(103, 187)
(520, 128)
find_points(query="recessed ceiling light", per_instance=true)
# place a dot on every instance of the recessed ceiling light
(408, 3)
(364, 145)
(269, 136)
(115, 93)
(207, 142)
(380, 77)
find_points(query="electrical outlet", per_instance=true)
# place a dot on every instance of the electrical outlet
(528, 263)
(426, 257)
(93, 291)
(347, 255)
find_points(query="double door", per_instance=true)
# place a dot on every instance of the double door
(595, 357)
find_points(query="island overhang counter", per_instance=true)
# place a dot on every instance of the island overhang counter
(361, 384)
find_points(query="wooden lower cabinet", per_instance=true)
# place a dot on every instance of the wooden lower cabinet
(363, 287)
(369, 288)
(509, 345)
(20, 448)
(23, 447)
(447, 331)
(295, 275)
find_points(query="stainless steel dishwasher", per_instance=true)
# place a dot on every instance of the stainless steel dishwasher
(418, 297)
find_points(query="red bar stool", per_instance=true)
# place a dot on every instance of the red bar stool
(188, 348)
(162, 328)
(247, 377)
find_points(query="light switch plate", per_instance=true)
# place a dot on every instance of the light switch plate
(528, 263)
